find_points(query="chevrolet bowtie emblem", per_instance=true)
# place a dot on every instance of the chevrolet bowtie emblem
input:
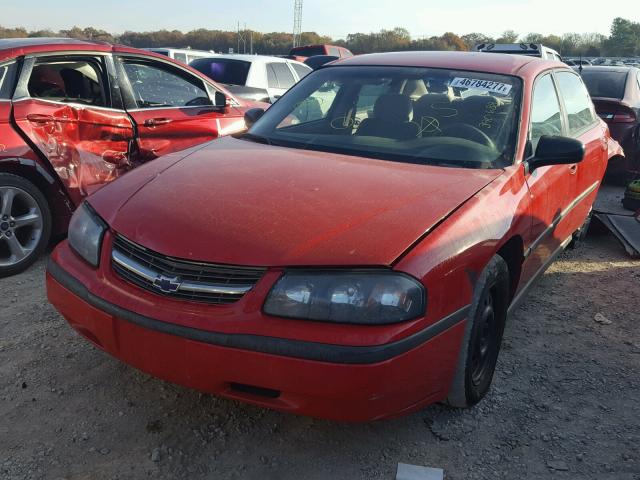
(167, 284)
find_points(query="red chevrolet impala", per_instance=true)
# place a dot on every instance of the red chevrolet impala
(356, 254)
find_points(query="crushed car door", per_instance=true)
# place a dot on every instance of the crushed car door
(171, 107)
(62, 104)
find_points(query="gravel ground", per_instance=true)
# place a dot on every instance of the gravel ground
(565, 402)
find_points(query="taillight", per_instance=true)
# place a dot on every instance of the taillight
(626, 117)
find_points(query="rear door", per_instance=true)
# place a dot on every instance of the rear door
(171, 107)
(583, 124)
(63, 104)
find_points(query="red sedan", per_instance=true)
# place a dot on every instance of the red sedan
(74, 115)
(354, 256)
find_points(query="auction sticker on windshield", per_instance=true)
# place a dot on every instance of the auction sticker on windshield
(486, 85)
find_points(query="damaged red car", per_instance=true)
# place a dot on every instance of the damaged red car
(355, 255)
(74, 115)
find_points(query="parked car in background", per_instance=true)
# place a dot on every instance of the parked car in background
(616, 95)
(253, 77)
(318, 61)
(184, 55)
(302, 53)
(575, 62)
(75, 115)
(353, 262)
(529, 49)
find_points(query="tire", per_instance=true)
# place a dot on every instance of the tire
(25, 224)
(482, 336)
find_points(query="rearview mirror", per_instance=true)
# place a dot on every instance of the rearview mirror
(219, 100)
(556, 150)
(252, 115)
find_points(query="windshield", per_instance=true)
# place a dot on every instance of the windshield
(418, 115)
(223, 70)
(605, 84)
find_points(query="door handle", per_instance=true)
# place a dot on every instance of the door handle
(156, 122)
(39, 118)
(573, 169)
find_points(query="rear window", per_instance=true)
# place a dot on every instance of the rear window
(223, 70)
(301, 70)
(307, 51)
(605, 84)
(283, 75)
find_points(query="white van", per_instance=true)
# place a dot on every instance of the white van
(184, 55)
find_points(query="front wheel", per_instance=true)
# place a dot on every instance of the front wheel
(25, 224)
(483, 336)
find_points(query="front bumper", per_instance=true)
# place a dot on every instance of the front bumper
(338, 382)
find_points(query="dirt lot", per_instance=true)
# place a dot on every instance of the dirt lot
(565, 403)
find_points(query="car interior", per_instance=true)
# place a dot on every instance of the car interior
(410, 114)
(68, 81)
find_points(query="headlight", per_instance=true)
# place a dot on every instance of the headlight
(86, 230)
(368, 298)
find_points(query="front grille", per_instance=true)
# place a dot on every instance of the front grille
(182, 279)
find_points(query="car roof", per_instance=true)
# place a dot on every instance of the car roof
(506, 64)
(254, 58)
(14, 47)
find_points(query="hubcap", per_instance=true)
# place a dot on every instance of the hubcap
(21, 225)
(485, 340)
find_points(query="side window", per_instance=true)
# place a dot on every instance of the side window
(545, 111)
(368, 95)
(317, 105)
(283, 75)
(181, 57)
(301, 70)
(576, 100)
(73, 80)
(7, 76)
(334, 51)
(156, 85)
(272, 81)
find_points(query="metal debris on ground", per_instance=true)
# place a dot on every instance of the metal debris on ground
(416, 472)
(625, 226)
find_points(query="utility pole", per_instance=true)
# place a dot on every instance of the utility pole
(297, 22)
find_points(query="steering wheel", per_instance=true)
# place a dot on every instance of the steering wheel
(468, 132)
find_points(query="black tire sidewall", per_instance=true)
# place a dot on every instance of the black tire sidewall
(10, 180)
(495, 276)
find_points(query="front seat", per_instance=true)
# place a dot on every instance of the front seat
(390, 119)
(46, 81)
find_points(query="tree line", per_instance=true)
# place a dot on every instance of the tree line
(624, 40)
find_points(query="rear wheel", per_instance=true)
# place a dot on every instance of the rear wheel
(483, 336)
(25, 224)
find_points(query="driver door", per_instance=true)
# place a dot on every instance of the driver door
(171, 107)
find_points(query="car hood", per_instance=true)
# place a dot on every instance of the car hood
(238, 202)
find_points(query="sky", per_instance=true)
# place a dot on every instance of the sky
(335, 18)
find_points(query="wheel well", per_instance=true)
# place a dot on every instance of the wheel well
(512, 253)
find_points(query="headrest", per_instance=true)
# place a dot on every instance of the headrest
(393, 107)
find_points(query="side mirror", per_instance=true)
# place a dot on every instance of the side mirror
(556, 150)
(252, 115)
(219, 100)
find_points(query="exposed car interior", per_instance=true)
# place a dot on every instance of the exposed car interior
(68, 81)
(416, 113)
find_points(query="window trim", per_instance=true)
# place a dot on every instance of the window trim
(567, 131)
